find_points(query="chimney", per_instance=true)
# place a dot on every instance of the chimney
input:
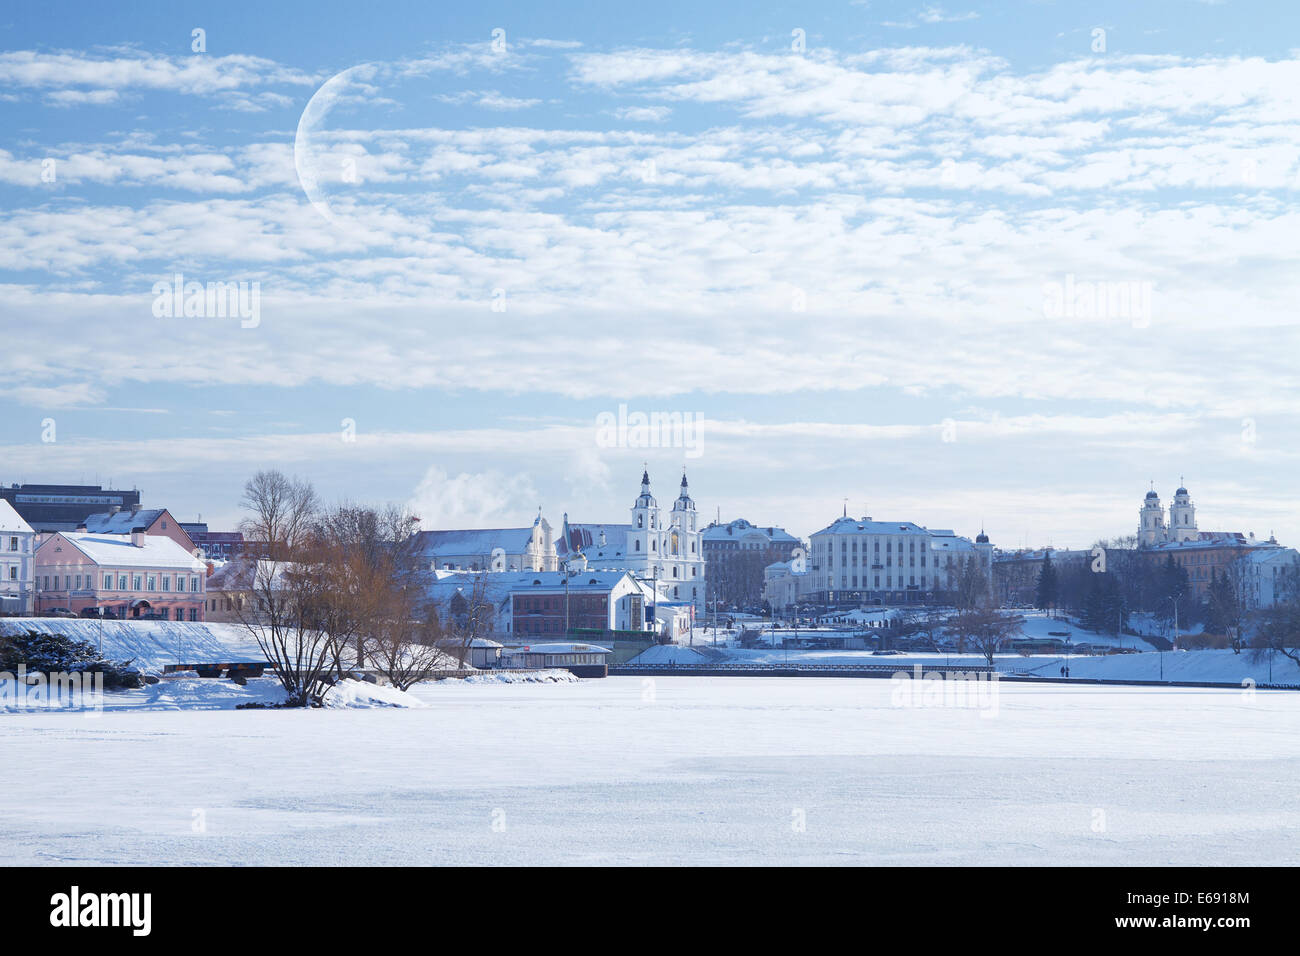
(135, 508)
(137, 539)
(114, 509)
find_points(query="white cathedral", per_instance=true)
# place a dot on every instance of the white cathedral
(1152, 529)
(667, 550)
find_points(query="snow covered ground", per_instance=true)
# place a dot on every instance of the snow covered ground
(1222, 666)
(668, 770)
(150, 645)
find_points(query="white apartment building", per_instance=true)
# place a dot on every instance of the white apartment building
(17, 562)
(864, 561)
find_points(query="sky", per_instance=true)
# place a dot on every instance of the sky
(994, 265)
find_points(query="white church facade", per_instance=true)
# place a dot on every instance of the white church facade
(662, 547)
(1152, 529)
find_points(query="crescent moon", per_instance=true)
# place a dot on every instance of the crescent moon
(317, 108)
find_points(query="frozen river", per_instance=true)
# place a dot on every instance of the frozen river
(670, 770)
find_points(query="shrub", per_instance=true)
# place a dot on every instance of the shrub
(54, 653)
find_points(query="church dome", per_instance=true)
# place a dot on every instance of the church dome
(1181, 491)
(981, 538)
(1151, 494)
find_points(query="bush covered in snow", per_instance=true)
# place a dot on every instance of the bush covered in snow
(55, 654)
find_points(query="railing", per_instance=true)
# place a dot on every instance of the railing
(846, 670)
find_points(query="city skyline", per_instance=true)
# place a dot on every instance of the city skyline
(969, 265)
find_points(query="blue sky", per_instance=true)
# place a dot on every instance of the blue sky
(834, 232)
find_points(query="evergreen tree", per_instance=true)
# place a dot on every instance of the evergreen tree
(1045, 595)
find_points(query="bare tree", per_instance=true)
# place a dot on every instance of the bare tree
(287, 597)
(405, 639)
(987, 629)
(368, 555)
(467, 618)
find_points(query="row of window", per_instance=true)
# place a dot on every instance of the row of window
(672, 547)
(889, 581)
(889, 561)
(119, 581)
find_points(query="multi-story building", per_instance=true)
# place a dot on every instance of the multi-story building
(50, 508)
(786, 584)
(1212, 553)
(665, 549)
(736, 555)
(1203, 554)
(17, 562)
(535, 604)
(215, 545)
(128, 575)
(857, 561)
(489, 549)
(1270, 575)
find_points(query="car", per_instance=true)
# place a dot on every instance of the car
(59, 612)
(98, 612)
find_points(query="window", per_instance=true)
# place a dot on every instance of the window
(135, 582)
(166, 582)
(108, 582)
(78, 582)
(13, 544)
(153, 583)
(121, 582)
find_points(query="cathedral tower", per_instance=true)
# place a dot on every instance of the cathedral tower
(1182, 517)
(1151, 521)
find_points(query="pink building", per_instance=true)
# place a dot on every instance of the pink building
(129, 575)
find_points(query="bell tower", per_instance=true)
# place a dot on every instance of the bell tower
(1182, 516)
(1151, 521)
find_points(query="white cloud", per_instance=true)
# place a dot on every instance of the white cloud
(472, 500)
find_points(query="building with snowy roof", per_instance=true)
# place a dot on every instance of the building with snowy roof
(1271, 575)
(736, 555)
(489, 549)
(49, 508)
(151, 521)
(128, 575)
(536, 604)
(864, 561)
(662, 547)
(17, 562)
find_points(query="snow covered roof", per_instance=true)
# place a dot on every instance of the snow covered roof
(11, 521)
(530, 580)
(740, 528)
(558, 648)
(474, 541)
(868, 526)
(587, 538)
(118, 551)
(942, 539)
(122, 522)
